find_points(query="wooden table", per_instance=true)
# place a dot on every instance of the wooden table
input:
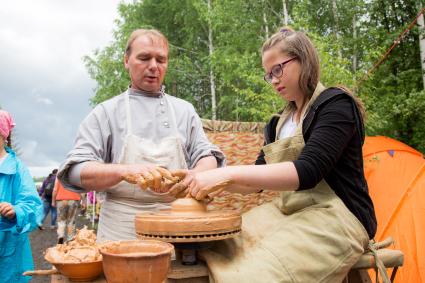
(178, 273)
(57, 278)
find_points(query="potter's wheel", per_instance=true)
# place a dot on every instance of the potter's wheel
(188, 221)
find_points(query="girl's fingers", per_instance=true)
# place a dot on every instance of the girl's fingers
(216, 193)
(180, 173)
(216, 189)
(182, 185)
(176, 189)
(204, 192)
(183, 193)
(194, 190)
(3, 207)
(10, 213)
(6, 210)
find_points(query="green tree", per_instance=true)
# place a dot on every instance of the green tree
(350, 36)
(393, 93)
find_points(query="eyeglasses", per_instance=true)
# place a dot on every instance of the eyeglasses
(277, 71)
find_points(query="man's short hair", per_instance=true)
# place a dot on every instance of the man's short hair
(152, 33)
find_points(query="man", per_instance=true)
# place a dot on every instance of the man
(46, 192)
(131, 134)
(67, 203)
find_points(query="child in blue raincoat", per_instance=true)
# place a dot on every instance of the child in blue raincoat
(20, 209)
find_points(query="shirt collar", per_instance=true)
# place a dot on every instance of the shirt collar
(153, 94)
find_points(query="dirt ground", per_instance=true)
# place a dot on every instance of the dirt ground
(43, 239)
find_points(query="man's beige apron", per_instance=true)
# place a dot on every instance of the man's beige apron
(305, 236)
(125, 200)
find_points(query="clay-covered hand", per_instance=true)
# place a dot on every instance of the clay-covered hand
(181, 189)
(157, 179)
(208, 184)
(6, 210)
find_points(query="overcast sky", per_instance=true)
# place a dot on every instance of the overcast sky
(43, 81)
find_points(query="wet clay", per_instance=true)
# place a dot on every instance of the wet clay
(82, 248)
(188, 221)
(79, 259)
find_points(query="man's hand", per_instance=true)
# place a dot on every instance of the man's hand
(53, 203)
(157, 179)
(6, 210)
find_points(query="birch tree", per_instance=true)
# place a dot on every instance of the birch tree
(336, 29)
(420, 23)
(285, 13)
(211, 52)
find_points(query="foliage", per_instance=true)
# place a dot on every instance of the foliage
(350, 35)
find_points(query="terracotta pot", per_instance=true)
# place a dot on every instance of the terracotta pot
(79, 272)
(136, 261)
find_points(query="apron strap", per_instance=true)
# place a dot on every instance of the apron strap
(172, 114)
(378, 262)
(128, 113)
(299, 130)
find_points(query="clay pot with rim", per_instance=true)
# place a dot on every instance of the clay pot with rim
(78, 272)
(136, 261)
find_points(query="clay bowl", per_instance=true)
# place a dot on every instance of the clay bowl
(136, 261)
(78, 272)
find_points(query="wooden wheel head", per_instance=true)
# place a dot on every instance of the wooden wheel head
(188, 204)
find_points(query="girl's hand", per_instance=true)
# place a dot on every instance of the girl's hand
(209, 183)
(6, 210)
(181, 189)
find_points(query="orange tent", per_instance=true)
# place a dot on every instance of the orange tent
(395, 174)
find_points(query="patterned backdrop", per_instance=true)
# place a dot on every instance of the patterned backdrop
(240, 142)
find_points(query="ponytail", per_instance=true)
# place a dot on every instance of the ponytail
(9, 141)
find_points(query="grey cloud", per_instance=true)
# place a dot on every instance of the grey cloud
(44, 83)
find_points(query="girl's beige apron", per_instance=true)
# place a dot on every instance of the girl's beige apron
(124, 200)
(305, 236)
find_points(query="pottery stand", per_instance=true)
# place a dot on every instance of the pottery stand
(190, 227)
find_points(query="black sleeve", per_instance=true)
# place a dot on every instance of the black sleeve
(326, 139)
(260, 158)
(269, 137)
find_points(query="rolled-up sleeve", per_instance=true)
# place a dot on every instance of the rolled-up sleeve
(91, 144)
(199, 146)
